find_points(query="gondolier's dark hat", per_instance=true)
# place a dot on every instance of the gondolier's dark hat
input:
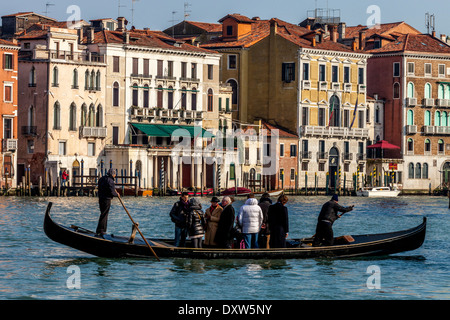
(215, 199)
(111, 172)
(335, 197)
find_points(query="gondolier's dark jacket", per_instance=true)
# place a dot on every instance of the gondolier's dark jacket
(179, 212)
(107, 187)
(330, 211)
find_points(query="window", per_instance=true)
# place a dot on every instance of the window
(146, 96)
(346, 74)
(306, 71)
(427, 118)
(410, 68)
(159, 68)
(410, 90)
(86, 80)
(266, 150)
(30, 146)
(361, 119)
(234, 88)
(293, 151)
(411, 171)
(75, 79)
(427, 145)
(8, 63)
(135, 66)
(98, 81)
(425, 171)
(56, 116)
(159, 94)
(360, 75)
(334, 74)
(288, 72)
(410, 118)
(183, 70)
(62, 148)
(115, 94)
(437, 118)
(116, 65)
(346, 118)
(194, 99)
(146, 70)
(292, 174)
(210, 72)
(229, 30)
(427, 91)
(418, 171)
(194, 71)
(91, 149)
(83, 115)
(321, 117)
(441, 146)
(334, 112)
(91, 116)
(99, 116)
(170, 69)
(32, 80)
(441, 70)
(377, 115)
(396, 90)
(281, 149)
(410, 144)
(73, 117)
(7, 128)
(170, 98)
(135, 96)
(183, 98)
(396, 69)
(8, 92)
(55, 77)
(305, 116)
(210, 100)
(428, 69)
(322, 72)
(232, 171)
(441, 91)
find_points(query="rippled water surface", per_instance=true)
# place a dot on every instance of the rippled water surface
(34, 267)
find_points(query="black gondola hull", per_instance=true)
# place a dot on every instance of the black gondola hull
(118, 247)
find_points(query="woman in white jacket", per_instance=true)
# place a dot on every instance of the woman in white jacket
(250, 219)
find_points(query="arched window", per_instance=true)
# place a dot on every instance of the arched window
(92, 81)
(135, 95)
(444, 118)
(194, 99)
(98, 80)
(31, 117)
(447, 92)
(334, 111)
(146, 96)
(55, 77)
(86, 80)
(411, 171)
(234, 88)
(410, 144)
(170, 98)
(437, 118)
(418, 171)
(116, 94)
(75, 79)
(83, 115)
(428, 118)
(91, 116)
(441, 146)
(441, 91)
(73, 117)
(427, 91)
(396, 90)
(32, 80)
(210, 100)
(410, 118)
(427, 145)
(159, 101)
(183, 98)
(56, 116)
(425, 171)
(99, 116)
(410, 90)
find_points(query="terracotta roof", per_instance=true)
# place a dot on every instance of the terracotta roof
(282, 132)
(208, 27)
(384, 29)
(18, 14)
(415, 43)
(238, 17)
(7, 43)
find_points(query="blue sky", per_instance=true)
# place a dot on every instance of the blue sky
(157, 14)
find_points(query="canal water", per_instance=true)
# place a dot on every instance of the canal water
(34, 267)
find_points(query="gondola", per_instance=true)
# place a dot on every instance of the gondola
(111, 246)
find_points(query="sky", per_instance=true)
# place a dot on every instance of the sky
(160, 14)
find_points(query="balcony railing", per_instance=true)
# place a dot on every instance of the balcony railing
(159, 114)
(93, 132)
(361, 157)
(83, 57)
(428, 102)
(411, 102)
(322, 156)
(306, 155)
(411, 129)
(348, 156)
(442, 103)
(9, 145)
(335, 132)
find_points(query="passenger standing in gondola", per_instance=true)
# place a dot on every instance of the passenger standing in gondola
(212, 217)
(106, 191)
(264, 235)
(196, 223)
(250, 218)
(328, 215)
(178, 215)
(224, 234)
(279, 223)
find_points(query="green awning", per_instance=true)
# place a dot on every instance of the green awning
(168, 130)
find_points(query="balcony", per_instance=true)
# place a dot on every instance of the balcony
(361, 88)
(323, 85)
(29, 131)
(164, 115)
(428, 102)
(411, 129)
(441, 130)
(306, 84)
(442, 103)
(335, 86)
(411, 102)
(347, 156)
(93, 132)
(361, 157)
(9, 145)
(317, 131)
(306, 155)
(78, 57)
(347, 87)
(322, 156)
(428, 129)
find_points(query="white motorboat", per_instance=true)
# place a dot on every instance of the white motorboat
(377, 192)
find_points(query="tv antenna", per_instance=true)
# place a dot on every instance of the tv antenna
(430, 22)
(186, 10)
(118, 8)
(47, 5)
(132, 11)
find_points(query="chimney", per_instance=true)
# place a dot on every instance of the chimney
(341, 31)
(313, 42)
(443, 38)
(308, 27)
(273, 26)
(362, 39)
(126, 37)
(122, 22)
(433, 34)
(354, 44)
(333, 33)
(90, 35)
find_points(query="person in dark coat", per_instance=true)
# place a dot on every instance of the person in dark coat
(106, 191)
(278, 220)
(196, 223)
(178, 215)
(328, 215)
(264, 235)
(224, 234)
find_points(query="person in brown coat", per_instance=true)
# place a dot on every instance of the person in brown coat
(212, 215)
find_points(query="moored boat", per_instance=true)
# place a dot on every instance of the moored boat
(111, 246)
(377, 192)
(240, 191)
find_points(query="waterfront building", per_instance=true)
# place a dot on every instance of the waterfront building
(61, 104)
(13, 24)
(8, 110)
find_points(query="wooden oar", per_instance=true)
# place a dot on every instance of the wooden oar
(129, 215)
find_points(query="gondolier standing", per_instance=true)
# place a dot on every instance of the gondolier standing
(328, 215)
(106, 191)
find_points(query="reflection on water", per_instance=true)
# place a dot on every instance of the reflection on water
(34, 267)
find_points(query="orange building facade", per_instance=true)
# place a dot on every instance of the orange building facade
(8, 109)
